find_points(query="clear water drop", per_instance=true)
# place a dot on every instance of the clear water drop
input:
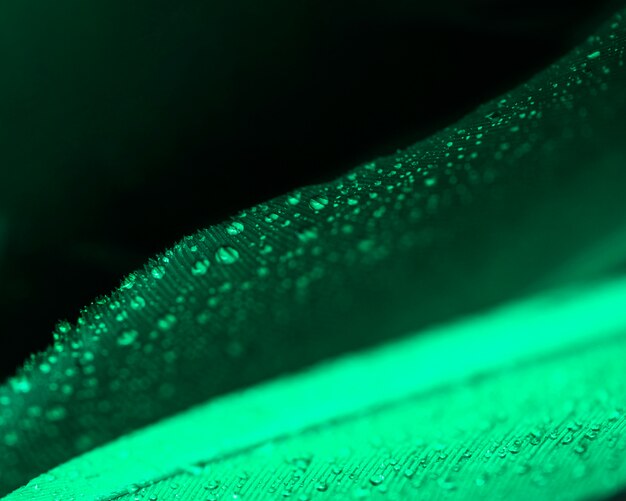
(167, 322)
(128, 282)
(226, 255)
(318, 202)
(293, 199)
(200, 267)
(127, 337)
(377, 479)
(234, 228)
(158, 272)
(321, 486)
(137, 303)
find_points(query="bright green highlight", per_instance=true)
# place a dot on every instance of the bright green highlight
(544, 416)
(425, 235)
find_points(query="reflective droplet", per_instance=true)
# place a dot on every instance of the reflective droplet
(127, 337)
(166, 322)
(137, 303)
(158, 272)
(321, 486)
(226, 255)
(515, 447)
(10, 439)
(200, 267)
(377, 479)
(307, 234)
(128, 282)
(20, 384)
(318, 203)
(64, 327)
(234, 228)
(293, 199)
(212, 485)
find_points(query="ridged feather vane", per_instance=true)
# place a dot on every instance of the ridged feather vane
(400, 421)
(446, 227)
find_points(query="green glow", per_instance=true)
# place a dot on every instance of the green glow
(525, 401)
(544, 414)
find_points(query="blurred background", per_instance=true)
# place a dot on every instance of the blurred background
(126, 125)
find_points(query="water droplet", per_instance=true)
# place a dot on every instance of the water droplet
(366, 245)
(318, 202)
(307, 234)
(515, 447)
(321, 486)
(212, 485)
(128, 282)
(200, 267)
(127, 337)
(234, 228)
(301, 462)
(64, 327)
(166, 322)
(20, 385)
(10, 439)
(137, 303)
(480, 481)
(293, 199)
(158, 272)
(377, 479)
(226, 255)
